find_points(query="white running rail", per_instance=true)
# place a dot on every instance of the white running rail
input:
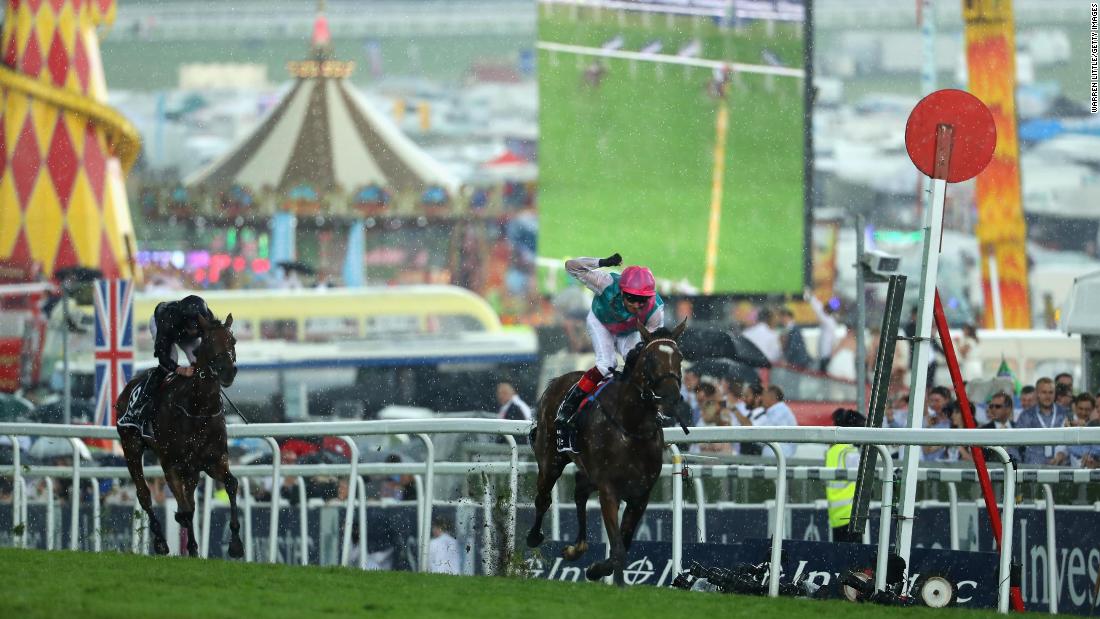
(426, 427)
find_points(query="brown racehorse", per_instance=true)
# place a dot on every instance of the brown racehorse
(620, 441)
(190, 437)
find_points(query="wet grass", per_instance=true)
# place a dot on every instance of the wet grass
(73, 584)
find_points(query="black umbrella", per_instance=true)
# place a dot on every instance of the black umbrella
(726, 368)
(710, 343)
(300, 267)
(705, 343)
(746, 352)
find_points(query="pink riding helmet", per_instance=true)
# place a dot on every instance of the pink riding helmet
(637, 281)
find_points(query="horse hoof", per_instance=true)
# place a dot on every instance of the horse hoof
(236, 549)
(534, 538)
(572, 553)
(598, 571)
(192, 552)
(160, 547)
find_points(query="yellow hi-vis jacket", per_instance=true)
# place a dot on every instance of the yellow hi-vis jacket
(839, 493)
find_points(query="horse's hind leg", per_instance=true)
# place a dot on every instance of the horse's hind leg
(220, 472)
(548, 476)
(581, 492)
(133, 446)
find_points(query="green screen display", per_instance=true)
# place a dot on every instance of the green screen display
(627, 145)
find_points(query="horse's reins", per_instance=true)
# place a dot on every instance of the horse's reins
(213, 373)
(652, 395)
(646, 395)
(226, 396)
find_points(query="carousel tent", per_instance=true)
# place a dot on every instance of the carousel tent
(323, 135)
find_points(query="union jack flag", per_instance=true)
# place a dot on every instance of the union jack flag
(114, 344)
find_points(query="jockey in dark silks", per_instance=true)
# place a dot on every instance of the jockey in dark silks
(175, 323)
(622, 302)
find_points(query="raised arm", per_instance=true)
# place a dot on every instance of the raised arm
(585, 271)
(815, 303)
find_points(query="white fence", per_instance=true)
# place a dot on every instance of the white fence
(426, 471)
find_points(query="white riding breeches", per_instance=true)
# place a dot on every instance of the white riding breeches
(605, 344)
(188, 348)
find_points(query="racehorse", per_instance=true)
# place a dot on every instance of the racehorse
(620, 441)
(189, 435)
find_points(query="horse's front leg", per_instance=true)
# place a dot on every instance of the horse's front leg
(220, 472)
(581, 491)
(609, 508)
(189, 486)
(184, 491)
(632, 515)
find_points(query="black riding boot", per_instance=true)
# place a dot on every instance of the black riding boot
(140, 406)
(565, 422)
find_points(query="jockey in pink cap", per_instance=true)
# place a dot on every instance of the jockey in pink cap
(622, 302)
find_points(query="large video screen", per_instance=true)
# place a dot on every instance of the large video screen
(675, 133)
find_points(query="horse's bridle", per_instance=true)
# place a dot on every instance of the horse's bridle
(648, 393)
(211, 369)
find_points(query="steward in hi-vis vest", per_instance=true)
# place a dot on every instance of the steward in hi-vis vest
(841, 492)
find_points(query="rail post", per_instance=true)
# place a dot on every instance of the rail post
(429, 487)
(780, 518)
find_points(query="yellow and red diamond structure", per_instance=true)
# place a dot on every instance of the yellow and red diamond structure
(63, 151)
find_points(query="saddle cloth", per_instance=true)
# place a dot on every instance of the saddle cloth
(148, 428)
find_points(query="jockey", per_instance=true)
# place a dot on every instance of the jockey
(175, 323)
(621, 303)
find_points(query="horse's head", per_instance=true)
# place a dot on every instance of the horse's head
(658, 367)
(218, 350)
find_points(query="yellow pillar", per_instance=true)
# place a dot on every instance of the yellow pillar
(1001, 229)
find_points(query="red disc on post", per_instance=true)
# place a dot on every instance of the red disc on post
(974, 133)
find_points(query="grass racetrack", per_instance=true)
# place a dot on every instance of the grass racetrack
(36, 583)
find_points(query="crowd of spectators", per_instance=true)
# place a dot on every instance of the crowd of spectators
(1049, 403)
(718, 401)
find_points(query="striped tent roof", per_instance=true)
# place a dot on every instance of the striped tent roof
(322, 134)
